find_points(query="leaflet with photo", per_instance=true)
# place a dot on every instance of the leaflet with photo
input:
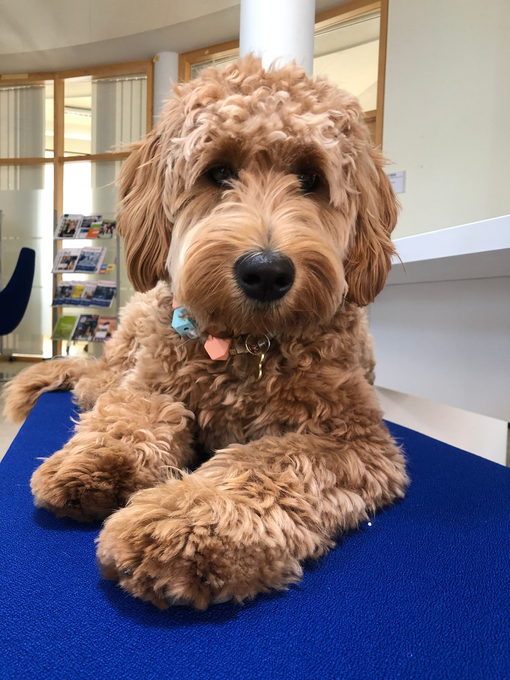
(66, 260)
(107, 229)
(94, 230)
(86, 225)
(68, 226)
(104, 294)
(64, 328)
(104, 229)
(63, 293)
(105, 327)
(88, 293)
(85, 328)
(90, 259)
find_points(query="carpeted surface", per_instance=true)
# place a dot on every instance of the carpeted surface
(424, 592)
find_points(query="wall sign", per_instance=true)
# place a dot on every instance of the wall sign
(397, 180)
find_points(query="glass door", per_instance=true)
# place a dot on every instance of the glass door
(26, 202)
(349, 48)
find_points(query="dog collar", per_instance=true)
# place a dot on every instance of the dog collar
(220, 349)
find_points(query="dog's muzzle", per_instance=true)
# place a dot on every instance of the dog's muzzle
(264, 276)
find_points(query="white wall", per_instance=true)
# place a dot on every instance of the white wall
(447, 341)
(447, 110)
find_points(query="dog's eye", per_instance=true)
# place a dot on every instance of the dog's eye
(308, 180)
(221, 175)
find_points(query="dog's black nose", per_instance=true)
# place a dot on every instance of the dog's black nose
(264, 276)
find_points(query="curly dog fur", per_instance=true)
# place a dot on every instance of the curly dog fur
(295, 458)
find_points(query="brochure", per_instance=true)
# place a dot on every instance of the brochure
(85, 328)
(104, 294)
(105, 327)
(90, 259)
(64, 328)
(63, 293)
(86, 224)
(66, 260)
(68, 226)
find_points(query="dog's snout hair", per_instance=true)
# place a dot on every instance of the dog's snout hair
(301, 178)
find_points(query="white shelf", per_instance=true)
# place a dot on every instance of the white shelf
(471, 251)
(444, 337)
(83, 238)
(79, 306)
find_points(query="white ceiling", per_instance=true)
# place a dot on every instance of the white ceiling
(59, 34)
(35, 25)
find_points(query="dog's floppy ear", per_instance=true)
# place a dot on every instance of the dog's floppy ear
(142, 220)
(369, 257)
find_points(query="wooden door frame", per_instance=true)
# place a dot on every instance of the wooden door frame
(348, 10)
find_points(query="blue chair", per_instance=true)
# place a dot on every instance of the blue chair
(15, 296)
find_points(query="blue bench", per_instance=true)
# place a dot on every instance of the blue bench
(422, 591)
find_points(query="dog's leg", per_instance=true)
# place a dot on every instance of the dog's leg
(87, 377)
(244, 522)
(129, 441)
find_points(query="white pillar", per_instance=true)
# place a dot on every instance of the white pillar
(279, 29)
(166, 72)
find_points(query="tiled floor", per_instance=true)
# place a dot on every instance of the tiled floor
(8, 430)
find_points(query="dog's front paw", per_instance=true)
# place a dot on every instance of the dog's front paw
(84, 486)
(186, 542)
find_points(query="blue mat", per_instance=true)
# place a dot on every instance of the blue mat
(424, 592)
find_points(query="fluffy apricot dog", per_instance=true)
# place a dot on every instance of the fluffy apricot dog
(259, 203)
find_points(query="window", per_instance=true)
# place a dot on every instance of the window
(62, 142)
(349, 48)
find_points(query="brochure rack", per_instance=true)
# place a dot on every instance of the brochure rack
(58, 277)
